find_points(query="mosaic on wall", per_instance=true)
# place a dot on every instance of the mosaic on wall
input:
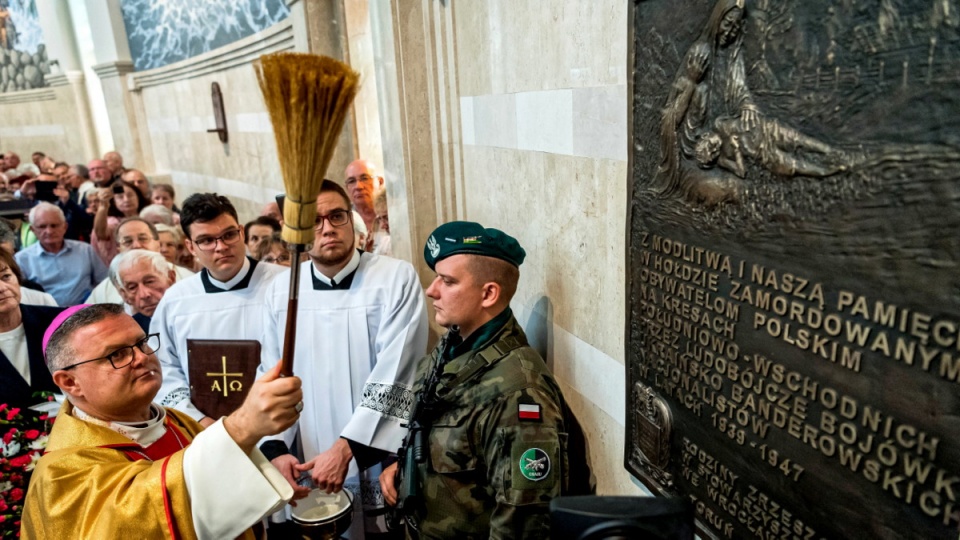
(793, 331)
(161, 33)
(23, 56)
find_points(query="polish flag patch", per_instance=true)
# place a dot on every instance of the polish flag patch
(529, 411)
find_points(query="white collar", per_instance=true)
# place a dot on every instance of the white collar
(227, 285)
(343, 273)
(142, 433)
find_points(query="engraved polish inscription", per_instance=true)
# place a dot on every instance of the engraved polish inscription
(793, 267)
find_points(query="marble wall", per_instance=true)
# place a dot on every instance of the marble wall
(514, 114)
(161, 33)
(174, 111)
(50, 120)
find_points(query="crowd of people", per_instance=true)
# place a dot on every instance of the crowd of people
(111, 289)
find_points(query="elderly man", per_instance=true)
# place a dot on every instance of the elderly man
(367, 327)
(142, 278)
(78, 181)
(119, 466)
(114, 162)
(67, 269)
(362, 184)
(79, 223)
(223, 301)
(99, 173)
(131, 233)
(13, 168)
(139, 180)
(494, 433)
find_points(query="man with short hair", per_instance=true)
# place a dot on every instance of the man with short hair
(117, 465)
(13, 168)
(139, 180)
(132, 233)
(272, 210)
(365, 325)
(142, 278)
(259, 229)
(363, 184)
(99, 173)
(114, 162)
(223, 301)
(60, 170)
(79, 223)
(67, 269)
(495, 431)
(78, 180)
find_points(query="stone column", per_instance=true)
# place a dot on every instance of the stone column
(66, 72)
(420, 121)
(113, 63)
(366, 117)
(318, 28)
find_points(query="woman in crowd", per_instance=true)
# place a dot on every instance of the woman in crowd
(273, 249)
(22, 369)
(171, 242)
(122, 200)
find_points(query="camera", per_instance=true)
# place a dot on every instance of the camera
(118, 189)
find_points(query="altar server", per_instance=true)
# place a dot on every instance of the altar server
(222, 301)
(361, 325)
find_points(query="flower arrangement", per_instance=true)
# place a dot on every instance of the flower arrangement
(23, 439)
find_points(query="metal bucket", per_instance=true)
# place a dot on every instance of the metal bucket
(323, 516)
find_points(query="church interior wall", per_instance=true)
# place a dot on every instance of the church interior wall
(177, 111)
(510, 113)
(42, 119)
(523, 107)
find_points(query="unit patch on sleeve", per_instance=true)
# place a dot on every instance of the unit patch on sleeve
(535, 464)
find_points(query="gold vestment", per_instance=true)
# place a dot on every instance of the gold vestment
(81, 490)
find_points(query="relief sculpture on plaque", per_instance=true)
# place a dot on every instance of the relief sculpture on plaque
(793, 265)
(712, 129)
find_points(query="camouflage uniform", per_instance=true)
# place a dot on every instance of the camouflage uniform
(489, 472)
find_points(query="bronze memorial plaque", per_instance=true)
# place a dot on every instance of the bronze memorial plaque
(793, 328)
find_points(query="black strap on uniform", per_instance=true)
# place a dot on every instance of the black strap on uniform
(481, 360)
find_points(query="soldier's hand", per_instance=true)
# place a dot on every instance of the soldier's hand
(287, 465)
(388, 479)
(329, 469)
(269, 408)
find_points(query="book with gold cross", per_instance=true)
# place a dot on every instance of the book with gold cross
(221, 373)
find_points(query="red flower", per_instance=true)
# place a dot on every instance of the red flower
(3, 518)
(3, 407)
(31, 434)
(16, 494)
(3, 505)
(8, 436)
(43, 416)
(12, 413)
(20, 461)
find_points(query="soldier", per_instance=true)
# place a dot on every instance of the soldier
(486, 449)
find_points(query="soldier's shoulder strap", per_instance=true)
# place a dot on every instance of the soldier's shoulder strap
(485, 358)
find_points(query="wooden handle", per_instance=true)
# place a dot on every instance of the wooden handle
(290, 332)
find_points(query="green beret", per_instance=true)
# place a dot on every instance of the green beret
(468, 237)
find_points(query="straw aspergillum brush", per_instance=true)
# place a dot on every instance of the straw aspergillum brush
(308, 98)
